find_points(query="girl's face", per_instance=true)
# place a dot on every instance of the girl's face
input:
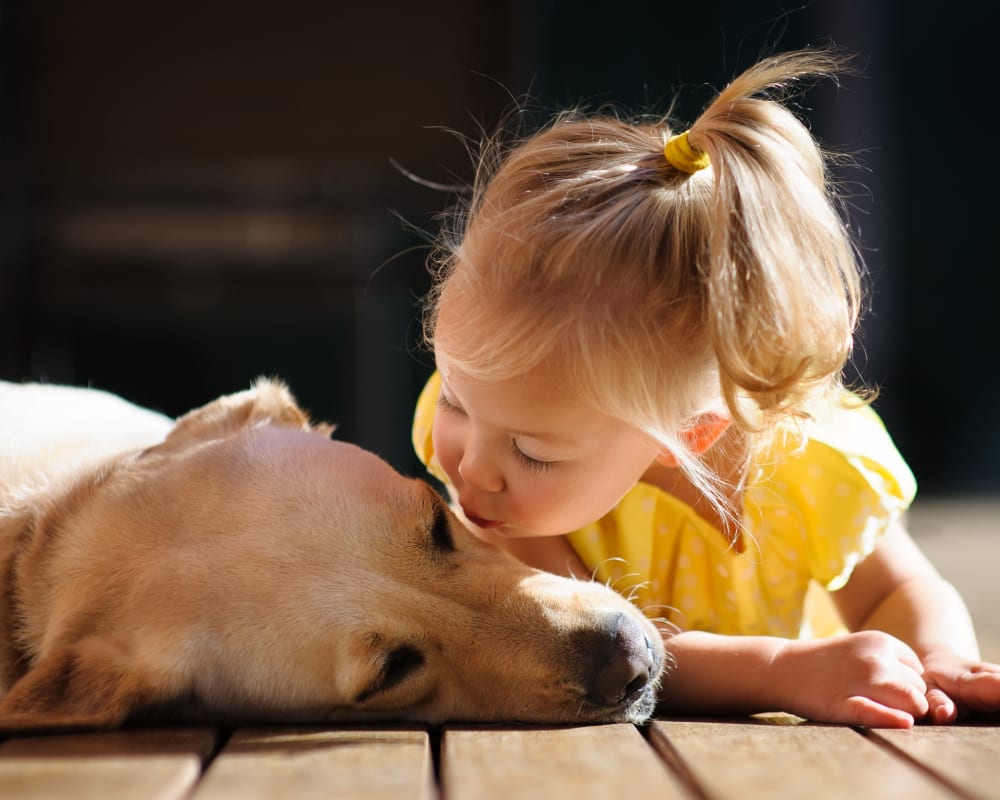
(526, 460)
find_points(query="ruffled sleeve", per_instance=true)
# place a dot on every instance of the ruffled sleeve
(836, 497)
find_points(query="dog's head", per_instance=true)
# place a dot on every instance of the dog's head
(253, 568)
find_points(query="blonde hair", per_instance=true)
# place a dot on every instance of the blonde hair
(653, 289)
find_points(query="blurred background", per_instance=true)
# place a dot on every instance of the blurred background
(195, 194)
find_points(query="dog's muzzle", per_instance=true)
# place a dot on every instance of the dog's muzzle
(622, 666)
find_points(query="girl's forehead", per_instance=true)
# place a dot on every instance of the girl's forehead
(535, 402)
(535, 406)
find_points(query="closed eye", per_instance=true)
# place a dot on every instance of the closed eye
(397, 666)
(440, 530)
(535, 464)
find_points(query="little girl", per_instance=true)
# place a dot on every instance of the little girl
(639, 339)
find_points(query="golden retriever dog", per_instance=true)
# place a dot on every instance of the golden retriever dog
(239, 564)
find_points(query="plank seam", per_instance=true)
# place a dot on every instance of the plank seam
(873, 736)
(673, 760)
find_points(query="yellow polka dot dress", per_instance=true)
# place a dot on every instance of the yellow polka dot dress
(811, 514)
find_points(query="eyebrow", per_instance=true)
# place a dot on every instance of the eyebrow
(550, 438)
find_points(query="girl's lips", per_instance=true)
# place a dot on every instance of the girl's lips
(479, 522)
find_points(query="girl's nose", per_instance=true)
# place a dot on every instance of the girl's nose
(480, 472)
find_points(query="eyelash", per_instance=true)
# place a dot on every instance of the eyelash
(445, 405)
(531, 463)
(527, 461)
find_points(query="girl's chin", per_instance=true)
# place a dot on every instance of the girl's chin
(505, 531)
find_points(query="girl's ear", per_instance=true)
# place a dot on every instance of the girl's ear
(698, 438)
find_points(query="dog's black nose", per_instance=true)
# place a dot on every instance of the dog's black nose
(622, 662)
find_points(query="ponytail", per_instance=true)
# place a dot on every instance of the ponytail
(780, 274)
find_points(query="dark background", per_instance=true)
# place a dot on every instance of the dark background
(194, 194)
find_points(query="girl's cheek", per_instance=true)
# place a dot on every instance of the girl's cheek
(555, 507)
(445, 448)
(532, 502)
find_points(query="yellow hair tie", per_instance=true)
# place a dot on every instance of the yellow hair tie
(679, 152)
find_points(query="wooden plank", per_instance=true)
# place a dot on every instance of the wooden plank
(305, 762)
(600, 762)
(145, 764)
(966, 756)
(760, 759)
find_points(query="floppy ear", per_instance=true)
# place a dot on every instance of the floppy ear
(267, 401)
(88, 684)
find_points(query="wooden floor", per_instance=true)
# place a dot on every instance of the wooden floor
(771, 756)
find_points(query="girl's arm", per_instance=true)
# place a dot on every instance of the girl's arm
(897, 590)
(867, 678)
(914, 654)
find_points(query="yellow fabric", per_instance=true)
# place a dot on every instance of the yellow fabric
(810, 517)
(423, 426)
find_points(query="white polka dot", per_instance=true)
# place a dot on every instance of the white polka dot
(722, 570)
(648, 505)
(777, 624)
(815, 471)
(687, 602)
(844, 489)
(661, 529)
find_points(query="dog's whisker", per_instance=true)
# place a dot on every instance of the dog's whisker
(602, 564)
(635, 589)
(656, 606)
(613, 583)
(630, 591)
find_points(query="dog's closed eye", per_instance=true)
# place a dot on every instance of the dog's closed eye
(397, 665)
(440, 532)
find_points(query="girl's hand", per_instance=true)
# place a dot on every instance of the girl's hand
(957, 686)
(865, 678)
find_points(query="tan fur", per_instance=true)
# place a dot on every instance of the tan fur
(241, 565)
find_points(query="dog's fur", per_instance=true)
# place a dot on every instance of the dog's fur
(239, 564)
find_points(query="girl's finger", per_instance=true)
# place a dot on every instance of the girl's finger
(941, 709)
(980, 691)
(906, 655)
(865, 711)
